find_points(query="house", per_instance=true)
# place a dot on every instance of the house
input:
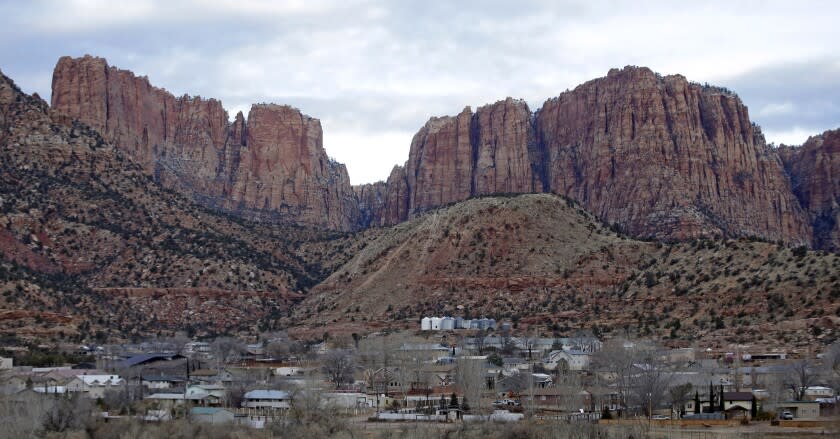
(94, 386)
(734, 403)
(211, 376)
(161, 382)
(51, 390)
(818, 392)
(555, 398)
(287, 371)
(739, 399)
(166, 401)
(171, 400)
(211, 415)
(208, 394)
(6, 363)
(198, 349)
(800, 409)
(15, 383)
(148, 360)
(266, 399)
(567, 360)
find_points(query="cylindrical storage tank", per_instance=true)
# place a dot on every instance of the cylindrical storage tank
(474, 324)
(435, 323)
(447, 324)
(491, 324)
(425, 324)
(459, 323)
(482, 323)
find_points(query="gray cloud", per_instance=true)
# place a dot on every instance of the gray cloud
(375, 71)
(792, 97)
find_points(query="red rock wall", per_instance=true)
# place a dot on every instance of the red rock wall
(665, 158)
(815, 171)
(273, 166)
(659, 156)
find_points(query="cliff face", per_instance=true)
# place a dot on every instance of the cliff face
(660, 157)
(815, 171)
(272, 166)
(491, 151)
(666, 158)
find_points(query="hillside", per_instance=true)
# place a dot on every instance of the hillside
(90, 241)
(542, 262)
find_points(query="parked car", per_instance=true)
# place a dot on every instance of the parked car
(660, 417)
(786, 415)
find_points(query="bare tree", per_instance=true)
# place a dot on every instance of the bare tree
(310, 416)
(798, 376)
(651, 378)
(831, 365)
(339, 366)
(67, 414)
(21, 415)
(470, 380)
(278, 345)
(637, 370)
(226, 349)
(679, 395)
(616, 365)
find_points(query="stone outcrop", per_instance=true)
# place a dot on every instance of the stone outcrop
(814, 168)
(271, 166)
(666, 158)
(491, 151)
(658, 156)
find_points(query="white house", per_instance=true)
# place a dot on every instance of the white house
(815, 392)
(266, 399)
(94, 386)
(210, 394)
(161, 382)
(287, 371)
(576, 360)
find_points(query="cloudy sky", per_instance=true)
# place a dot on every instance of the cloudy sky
(375, 71)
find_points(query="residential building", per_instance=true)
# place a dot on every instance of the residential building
(94, 386)
(266, 399)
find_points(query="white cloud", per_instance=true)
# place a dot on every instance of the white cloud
(369, 156)
(375, 71)
(777, 109)
(794, 136)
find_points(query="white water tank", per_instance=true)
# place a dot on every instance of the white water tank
(459, 322)
(492, 323)
(435, 323)
(447, 324)
(425, 324)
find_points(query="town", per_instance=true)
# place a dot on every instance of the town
(439, 377)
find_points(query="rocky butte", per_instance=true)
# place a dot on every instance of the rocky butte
(270, 166)
(659, 157)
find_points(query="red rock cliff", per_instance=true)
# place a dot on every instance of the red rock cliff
(491, 151)
(273, 166)
(666, 158)
(815, 171)
(661, 157)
